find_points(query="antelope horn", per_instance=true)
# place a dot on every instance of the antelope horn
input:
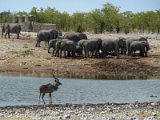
(55, 77)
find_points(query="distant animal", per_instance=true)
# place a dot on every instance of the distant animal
(112, 46)
(123, 46)
(67, 46)
(52, 44)
(75, 36)
(141, 46)
(48, 88)
(91, 46)
(46, 35)
(130, 40)
(11, 28)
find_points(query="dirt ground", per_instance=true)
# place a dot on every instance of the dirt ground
(22, 57)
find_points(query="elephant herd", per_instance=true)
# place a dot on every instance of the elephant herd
(77, 44)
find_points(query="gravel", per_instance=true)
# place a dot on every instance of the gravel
(108, 111)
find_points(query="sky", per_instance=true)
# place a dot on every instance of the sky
(72, 6)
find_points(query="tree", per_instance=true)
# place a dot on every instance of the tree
(78, 22)
(99, 20)
(63, 21)
(96, 21)
(110, 13)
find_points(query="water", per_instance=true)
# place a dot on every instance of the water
(25, 91)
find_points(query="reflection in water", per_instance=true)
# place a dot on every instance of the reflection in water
(25, 90)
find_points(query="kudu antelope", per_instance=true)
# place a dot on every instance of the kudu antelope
(48, 88)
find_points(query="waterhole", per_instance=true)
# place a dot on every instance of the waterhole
(21, 90)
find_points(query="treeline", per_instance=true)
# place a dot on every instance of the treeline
(107, 19)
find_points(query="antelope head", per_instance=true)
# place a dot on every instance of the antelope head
(56, 80)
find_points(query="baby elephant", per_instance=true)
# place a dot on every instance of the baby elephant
(49, 88)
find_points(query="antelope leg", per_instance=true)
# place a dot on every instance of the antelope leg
(39, 98)
(43, 97)
(50, 96)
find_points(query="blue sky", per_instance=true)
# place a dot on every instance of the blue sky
(72, 6)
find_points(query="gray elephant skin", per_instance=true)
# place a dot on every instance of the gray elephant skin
(11, 28)
(46, 35)
(75, 36)
(112, 46)
(122, 46)
(67, 46)
(52, 44)
(79, 51)
(130, 40)
(141, 46)
(91, 46)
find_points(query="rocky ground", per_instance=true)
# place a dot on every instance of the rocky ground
(22, 57)
(136, 111)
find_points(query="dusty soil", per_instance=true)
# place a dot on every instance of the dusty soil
(21, 56)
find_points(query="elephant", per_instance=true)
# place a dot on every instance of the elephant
(112, 46)
(91, 47)
(65, 45)
(79, 50)
(11, 28)
(46, 35)
(75, 36)
(52, 44)
(142, 46)
(130, 40)
(122, 46)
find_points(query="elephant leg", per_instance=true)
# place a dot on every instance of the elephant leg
(5, 35)
(49, 49)
(73, 53)
(48, 42)
(53, 53)
(142, 53)
(2, 35)
(18, 36)
(132, 53)
(57, 53)
(68, 54)
(60, 53)
(38, 44)
(8, 35)
(86, 53)
(64, 53)
(96, 52)
(117, 52)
